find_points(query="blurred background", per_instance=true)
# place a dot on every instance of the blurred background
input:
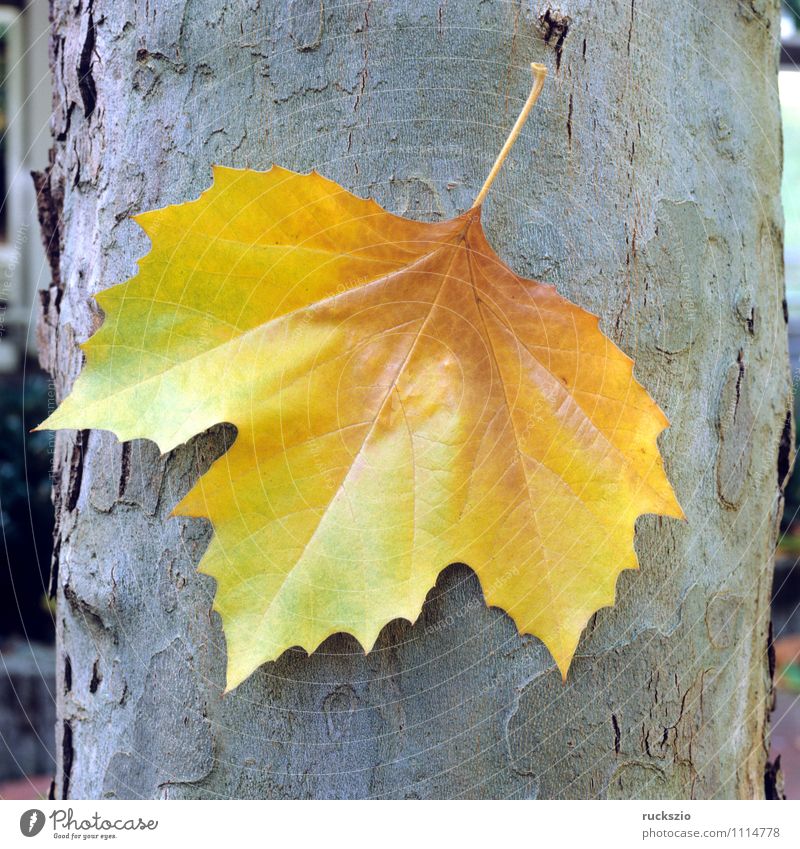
(27, 694)
(27, 689)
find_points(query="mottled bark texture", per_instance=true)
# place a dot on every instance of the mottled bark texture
(645, 186)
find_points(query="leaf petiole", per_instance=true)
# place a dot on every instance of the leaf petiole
(539, 74)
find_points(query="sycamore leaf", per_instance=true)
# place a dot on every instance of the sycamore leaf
(403, 401)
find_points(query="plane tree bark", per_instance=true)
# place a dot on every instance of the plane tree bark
(645, 187)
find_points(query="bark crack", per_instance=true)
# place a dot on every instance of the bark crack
(86, 83)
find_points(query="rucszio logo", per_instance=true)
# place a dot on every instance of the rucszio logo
(31, 822)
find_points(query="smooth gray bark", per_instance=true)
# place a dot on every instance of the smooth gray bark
(645, 186)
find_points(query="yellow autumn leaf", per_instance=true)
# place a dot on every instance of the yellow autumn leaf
(403, 401)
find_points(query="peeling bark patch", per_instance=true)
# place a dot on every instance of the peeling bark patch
(735, 424)
(630, 779)
(49, 209)
(677, 252)
(178, 749)
(723, 619)
(338, 707)
(747, 311)
(90, 616)
(49, 206)
(650, 750)
(306, 24)
(141, 475)
(555, 28)
(105, 484)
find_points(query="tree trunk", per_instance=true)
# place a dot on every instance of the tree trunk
(645, 187)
